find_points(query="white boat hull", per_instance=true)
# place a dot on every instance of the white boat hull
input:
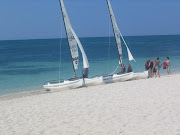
(93, 81)
(140, 75)
(67, 84)
(108, 79)
(72, 84)
(122, 77)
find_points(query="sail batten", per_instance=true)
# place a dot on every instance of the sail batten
(70, 36)
(116, 32)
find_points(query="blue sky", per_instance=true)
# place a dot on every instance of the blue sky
(41, 19)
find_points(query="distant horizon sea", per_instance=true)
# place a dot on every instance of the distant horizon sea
(25, 65)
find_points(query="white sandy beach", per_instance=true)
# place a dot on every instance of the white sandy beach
(140, 107)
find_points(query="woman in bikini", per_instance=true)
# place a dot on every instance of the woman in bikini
(168, 62)
(157, 64)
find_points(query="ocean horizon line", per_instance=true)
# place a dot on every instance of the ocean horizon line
(87, 37)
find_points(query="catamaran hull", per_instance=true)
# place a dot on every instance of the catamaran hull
(122, 77)
(108, 79)
(66, 85)
(140, 75)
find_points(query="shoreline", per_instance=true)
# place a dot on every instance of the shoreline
(22, 94)
(44, 91)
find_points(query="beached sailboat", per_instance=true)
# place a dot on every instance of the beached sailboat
(113, 77)
(139, 75)
(74, 43)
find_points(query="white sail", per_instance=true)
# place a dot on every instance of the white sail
(85, 60)
(130, 56)
(70, 36)
(116, 32)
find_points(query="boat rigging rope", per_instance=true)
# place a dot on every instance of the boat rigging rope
(115, 69)
(60, 54)
(109, 46)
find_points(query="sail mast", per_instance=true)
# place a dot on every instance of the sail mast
(116, 32)
(70, 37)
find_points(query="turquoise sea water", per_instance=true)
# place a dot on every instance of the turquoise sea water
(26, 64)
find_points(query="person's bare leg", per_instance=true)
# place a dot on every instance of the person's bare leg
(158, 73)
(167, 71)
(150, 73)
(170, 70)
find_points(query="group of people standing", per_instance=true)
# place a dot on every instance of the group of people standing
(154, 67)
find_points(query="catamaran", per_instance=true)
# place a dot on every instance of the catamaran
(113, 77)
(117, 33)
(73, 41)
